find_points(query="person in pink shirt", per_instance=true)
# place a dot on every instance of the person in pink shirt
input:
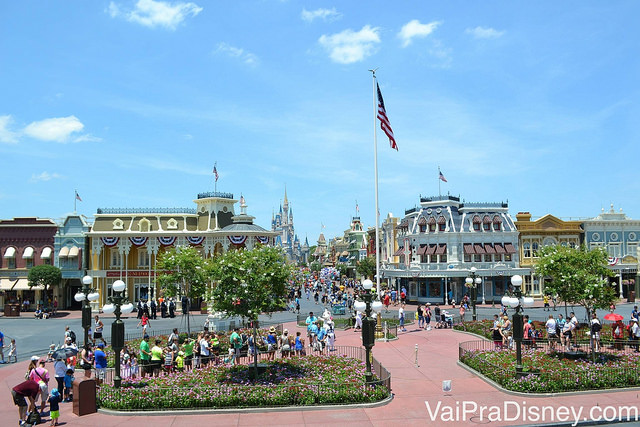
(40, 375)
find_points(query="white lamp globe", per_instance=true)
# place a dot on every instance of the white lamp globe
(473, 269)
(108, 309)
(376, 306)
(527, 301)
(93, 296)
(514, 302)
(468, 281)
(478, 280)
(516, 281)
(118, 286)
(367, 284)
(87, 280)
(359, 305)
(505, 300)
(126, 308)
(79, 296)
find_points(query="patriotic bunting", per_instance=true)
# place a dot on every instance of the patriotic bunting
(138, 241)
(109, 241)
(167, 241)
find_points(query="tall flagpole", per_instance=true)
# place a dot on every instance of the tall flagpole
(75, 199)
(215, 180)
(439, 193)
(375, 167)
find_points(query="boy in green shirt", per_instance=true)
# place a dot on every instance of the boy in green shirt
(145, 356)
(236, 343)
(188, 353)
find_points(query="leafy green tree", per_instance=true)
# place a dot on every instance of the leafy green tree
(578, 276)
(250, 282)
(46, 276)
(343, 269)
(183, 271)
(315, 266)
(366, 267)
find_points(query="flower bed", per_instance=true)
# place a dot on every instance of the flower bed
(307, 380)
(549, 373)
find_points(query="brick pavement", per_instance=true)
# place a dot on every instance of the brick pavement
(412, 387)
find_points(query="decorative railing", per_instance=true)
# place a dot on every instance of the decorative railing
(485, 205)
(124, 211)
(439, 198)
(215, 194)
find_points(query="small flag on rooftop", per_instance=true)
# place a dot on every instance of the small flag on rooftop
(215, 172)
(78, 197)
(441, 177)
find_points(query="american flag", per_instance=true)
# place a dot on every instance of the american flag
(441, 177)
(384, 120)
(215, 173)
(78, 197)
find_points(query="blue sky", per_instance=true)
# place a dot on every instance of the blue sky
(132, 103)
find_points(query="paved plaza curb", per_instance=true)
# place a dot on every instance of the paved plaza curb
(248, 410)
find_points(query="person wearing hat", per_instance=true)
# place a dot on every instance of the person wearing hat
(272, 342)
(101, 362)
(54, 406)
(145, 356)
(285, 343)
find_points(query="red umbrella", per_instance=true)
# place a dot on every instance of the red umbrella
(614, 317)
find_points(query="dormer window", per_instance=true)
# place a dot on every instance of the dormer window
(476, 223)
(118, 224)
(144, 225)
(442, 224)
(172, 224)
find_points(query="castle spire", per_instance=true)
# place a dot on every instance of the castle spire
(286, 200)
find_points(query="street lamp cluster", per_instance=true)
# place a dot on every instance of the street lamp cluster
(517, 302)
(368, 323)
(472, 283)
(118, 304)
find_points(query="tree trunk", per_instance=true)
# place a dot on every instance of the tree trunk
(255, 349)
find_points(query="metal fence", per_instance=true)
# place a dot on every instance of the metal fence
(554, 378)
(222, 395)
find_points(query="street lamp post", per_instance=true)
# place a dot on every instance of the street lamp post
(118, 307)
(86, 295)
(472, 283)
(368, 324)
(517, 302)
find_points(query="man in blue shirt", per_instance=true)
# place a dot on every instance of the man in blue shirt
(635, 313)
(101, 362)
(2, 345)
(310, 319)
(322, 333)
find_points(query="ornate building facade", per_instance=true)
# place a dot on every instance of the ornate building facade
(125, 243)
(620, 236)
(24, 243)
(545, 231)
(71, 257)
(441, 239)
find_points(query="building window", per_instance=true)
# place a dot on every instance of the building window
(172, 224)
(144, 225)
(443, 258)
(423, 290)
(486, 226)
(507, 257)
(467, 257)
(595, 245)
(143, 258)
(613, 249)
(116, 258)
(487, 258)
(11, 262)
(423, 228)
(442, 227)
(476, 226)
(435, 289)
(118, 224)
(29, 262)
(526, 248)
(432, 227)
(534, 249)
(632, 249)
(477, 258)
(141, 289)
(433, 258)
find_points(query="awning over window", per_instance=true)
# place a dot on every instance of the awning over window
(28, 252)
(468, 249)
(10, 252)
(431, 250)
(73, 252)
(46, 253)
(499, 248)
(21, 285)
(422, 250)
(399, 252)
(477, 247)
(441, 249)
(509, 248)
(64, 252)
(488, 248)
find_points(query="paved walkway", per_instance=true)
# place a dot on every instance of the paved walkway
(413, 388)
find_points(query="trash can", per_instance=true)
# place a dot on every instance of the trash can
(632, 296)
(84, 397)
(12, 310)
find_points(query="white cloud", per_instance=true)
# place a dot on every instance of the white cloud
(350, 46)
(484, 33)
(55, 129)
(44, 176)
(152, 13)
(87, 138)
(236, 52)
(324, 14)
(7, 135)
(413, 29)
